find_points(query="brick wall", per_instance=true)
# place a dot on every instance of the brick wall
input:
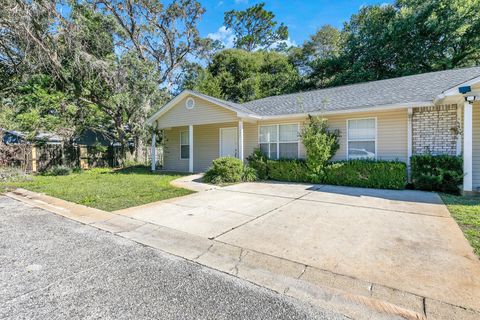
(435, 129)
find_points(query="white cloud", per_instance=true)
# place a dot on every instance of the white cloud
(224, 35)
(241, 1)
(289, 42)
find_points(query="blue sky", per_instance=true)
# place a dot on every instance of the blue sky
(303, 18)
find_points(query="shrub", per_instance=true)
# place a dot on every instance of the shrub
(288, 170)
(320, 143)
(59, 170)
(11, 174)
(258, 161)
(224, 170)
(249, 174)
(437, 173)
(367, 174)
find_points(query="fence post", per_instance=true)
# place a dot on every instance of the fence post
(34, 159)
(83, 154)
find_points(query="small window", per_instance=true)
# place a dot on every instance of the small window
(279, 141)
(362, 142)
(184, 145)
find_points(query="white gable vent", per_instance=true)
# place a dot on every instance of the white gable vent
(190, 103)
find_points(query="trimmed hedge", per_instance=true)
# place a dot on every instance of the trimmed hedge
(437, 173)
(355, 173)
(287, 170)
(367, 174)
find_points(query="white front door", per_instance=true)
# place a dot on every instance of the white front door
(228, 142)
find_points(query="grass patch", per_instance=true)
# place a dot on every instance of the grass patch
(106, 189)
(466, 211)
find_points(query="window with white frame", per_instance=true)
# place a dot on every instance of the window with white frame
(184, 145)
(279, 141)
(361, 138)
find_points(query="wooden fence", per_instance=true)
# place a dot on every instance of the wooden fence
(32, 158)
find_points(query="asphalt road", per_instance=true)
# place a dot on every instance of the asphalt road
(54, 268)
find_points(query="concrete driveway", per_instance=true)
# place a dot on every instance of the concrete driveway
(404, 240)
(55, 268)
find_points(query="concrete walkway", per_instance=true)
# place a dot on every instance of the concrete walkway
(358, 251)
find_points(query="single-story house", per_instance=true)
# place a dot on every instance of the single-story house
(393, 119)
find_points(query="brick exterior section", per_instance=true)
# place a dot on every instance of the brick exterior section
(435, 130)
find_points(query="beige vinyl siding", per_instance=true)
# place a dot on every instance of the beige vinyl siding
(206, 145)
(204, 112)
(476, 147)
(391, 138)
(391, 133)
(171, 153)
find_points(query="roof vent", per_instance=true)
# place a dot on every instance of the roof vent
(190, 103)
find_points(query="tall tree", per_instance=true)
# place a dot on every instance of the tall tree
(110, 57)
(241, 76)
(165, 34)
(255, 28)
(407, 37)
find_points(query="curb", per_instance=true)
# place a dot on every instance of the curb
(318, 287)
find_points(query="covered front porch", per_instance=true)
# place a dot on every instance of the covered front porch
(192, 148)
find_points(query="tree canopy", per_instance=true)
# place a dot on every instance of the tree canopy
(241, 76)
(255, 28)
(66, 66)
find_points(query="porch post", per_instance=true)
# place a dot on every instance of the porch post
(409, 139)
(240, 139)
(154, 151)
(190, 148)
(467, 145)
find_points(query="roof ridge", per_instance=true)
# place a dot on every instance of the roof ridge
(363, 83)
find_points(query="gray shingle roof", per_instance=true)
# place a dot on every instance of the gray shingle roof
(416, 88)
(233, 105)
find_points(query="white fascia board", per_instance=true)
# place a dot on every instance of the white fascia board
(454, 90)
(357, 110)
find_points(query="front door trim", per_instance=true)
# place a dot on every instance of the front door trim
(221, 137)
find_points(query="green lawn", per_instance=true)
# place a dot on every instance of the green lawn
(106, 189)
(466, 211)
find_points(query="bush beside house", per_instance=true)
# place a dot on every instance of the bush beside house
(434, 173)
(367, 174)
(355, 173)
(229, 170)
(437, 173)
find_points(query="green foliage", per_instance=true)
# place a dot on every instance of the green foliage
(38, 106)
(12, 174)
(355, 173)
(255, 28)
(367, 174)
(437, 173)
(288, 170)
(391, 40)
(107, 189)
(249, 174)
(229, 170)
(258, 161)
(58, 170)
(241, 76)
(320, 144)
(466, 211)
(224, 170)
